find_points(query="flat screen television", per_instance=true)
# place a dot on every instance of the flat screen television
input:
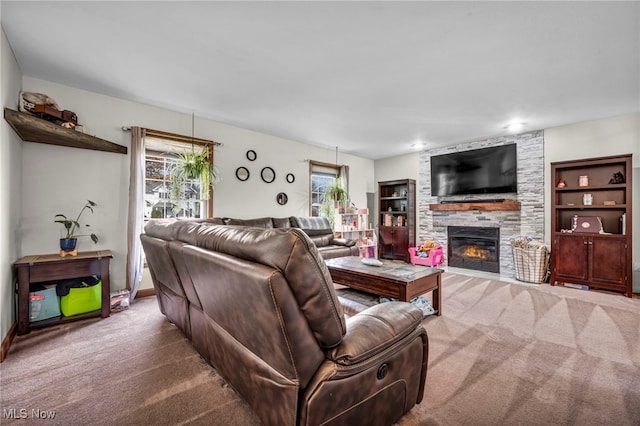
(491, 170)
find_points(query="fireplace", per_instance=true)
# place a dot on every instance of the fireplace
(474, 247)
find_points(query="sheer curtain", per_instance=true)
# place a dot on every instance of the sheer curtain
(136, 204)
(344, 178)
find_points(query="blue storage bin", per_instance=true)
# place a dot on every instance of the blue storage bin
(43, 304)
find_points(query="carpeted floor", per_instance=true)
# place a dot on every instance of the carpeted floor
(502, 353)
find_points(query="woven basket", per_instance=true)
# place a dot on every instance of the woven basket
(532, 265)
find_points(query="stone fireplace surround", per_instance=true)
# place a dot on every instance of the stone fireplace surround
(529, 220)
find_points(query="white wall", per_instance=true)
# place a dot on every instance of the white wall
(401, 167)
(597, 138)
(59, 179)
(10, 185)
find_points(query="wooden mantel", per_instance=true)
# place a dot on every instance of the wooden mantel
(33, 129)
(479, 205)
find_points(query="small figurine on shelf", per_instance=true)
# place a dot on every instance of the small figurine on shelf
(618, 177)
(561, 183)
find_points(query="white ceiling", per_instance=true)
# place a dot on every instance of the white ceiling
(371, 78)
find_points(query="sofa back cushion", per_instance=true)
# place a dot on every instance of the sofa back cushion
(316, 225)
(166, 231)
(261, 222)
(281, 222)
(293, 254)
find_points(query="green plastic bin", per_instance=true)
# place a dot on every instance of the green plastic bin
(82, 300)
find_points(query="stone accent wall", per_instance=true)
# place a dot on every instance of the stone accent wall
(528, 221)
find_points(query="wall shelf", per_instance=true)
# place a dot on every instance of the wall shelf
(33, 129)
(485, 206)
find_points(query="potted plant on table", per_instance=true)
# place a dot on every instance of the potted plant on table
(72, 227)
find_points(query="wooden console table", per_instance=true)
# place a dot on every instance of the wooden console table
(51, 267)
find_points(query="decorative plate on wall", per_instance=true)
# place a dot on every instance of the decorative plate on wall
(242, 173)
(290, 177)
(268, 174)
(251, 155)
(282, 198)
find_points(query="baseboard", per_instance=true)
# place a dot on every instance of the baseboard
(145, 292)
(6, 342)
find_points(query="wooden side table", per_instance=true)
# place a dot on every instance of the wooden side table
(51, 267)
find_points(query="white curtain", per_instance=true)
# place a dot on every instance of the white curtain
(344, 178)
(136, 203)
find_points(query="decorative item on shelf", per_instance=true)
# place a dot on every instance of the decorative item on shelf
(583, 181)
(46, 108)
(561, 183)
(587, 199)
(395, 194)
(69, 241)
(609, 203)
(588, 224)
(618, 177)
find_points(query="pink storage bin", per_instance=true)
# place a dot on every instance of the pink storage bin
(433, 259)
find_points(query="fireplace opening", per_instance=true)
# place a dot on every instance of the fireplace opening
(474, 247)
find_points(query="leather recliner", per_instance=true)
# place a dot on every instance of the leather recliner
(263, 311)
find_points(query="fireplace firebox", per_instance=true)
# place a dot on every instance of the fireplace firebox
(474, 247)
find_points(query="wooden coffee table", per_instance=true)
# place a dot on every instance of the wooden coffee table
(402, 281)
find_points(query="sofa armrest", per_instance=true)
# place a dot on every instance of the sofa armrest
(343, 242)
(374, 330)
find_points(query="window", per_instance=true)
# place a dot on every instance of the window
(321, 175)
(162, 198)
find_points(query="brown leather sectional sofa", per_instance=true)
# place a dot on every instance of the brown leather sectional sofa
(317, 228)
(260, 306)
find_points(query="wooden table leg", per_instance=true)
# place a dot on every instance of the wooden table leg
(437, 296)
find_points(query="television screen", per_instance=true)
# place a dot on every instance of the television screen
(479, 171)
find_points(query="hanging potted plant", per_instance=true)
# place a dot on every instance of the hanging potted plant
(336, 193)
(193, 165)
(335, 196)
(72, 227)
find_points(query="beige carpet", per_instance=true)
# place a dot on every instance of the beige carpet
(508, 354)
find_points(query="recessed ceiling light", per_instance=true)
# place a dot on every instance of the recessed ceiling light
(515, 127)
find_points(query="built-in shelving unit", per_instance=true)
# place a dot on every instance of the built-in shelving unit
(33, 129)
(584, 192)
(396, 218)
